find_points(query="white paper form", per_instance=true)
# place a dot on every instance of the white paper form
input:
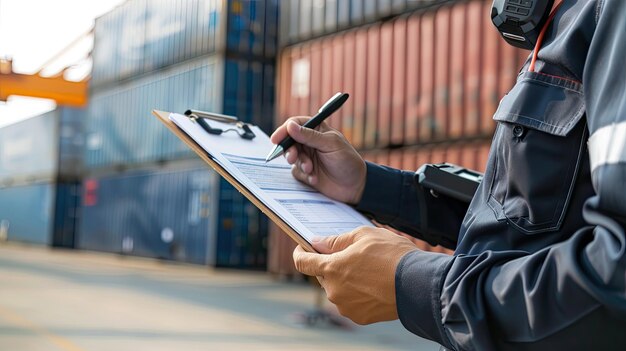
(307, 211)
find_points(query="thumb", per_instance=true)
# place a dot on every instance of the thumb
(310, 137)
(333, 244)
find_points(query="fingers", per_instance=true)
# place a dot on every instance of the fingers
(281, 132)
(333, 244)
(323, 141)
(297, 173)
(309, 263)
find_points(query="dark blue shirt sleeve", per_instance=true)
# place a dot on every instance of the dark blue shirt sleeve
(570, 295)
(395, 198)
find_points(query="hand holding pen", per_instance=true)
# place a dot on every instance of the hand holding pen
(322, 157)
(332, 105)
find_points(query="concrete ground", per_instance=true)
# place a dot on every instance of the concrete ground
(74, 301)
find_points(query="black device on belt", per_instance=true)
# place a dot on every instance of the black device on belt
(450, 180)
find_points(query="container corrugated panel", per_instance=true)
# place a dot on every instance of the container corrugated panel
(39, 213)
(44, 147)
(26, 213)
(141, 36)
(169, 214)
(120, 129)
(71, 143)
(308, 19)
(242, 231)
(29, 149)
(418, 78)
(280, 253)
(66, 213)
(252, 25)
(246, 84)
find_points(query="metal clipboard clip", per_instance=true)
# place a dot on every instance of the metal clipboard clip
(239, 127)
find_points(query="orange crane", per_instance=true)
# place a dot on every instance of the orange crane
(64, 92)
(56, 87)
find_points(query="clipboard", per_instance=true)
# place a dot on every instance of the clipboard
(164, 118)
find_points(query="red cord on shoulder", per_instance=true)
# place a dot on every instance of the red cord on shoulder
(531, 68)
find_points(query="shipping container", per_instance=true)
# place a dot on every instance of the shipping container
(308, 19)
(140, 36)
(40, 213)
(181, 211)
(42, 148)
(121, 132)
(427, 76)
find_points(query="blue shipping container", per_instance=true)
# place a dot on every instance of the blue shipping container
(43, 213)
(120, 130)
(42, 148)
(168, 214)
(141, 36)
(172, 214)
(242, 231)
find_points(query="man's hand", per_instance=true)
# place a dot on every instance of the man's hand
(324, 159)
(357, 270)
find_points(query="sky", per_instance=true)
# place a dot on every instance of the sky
(34, 31)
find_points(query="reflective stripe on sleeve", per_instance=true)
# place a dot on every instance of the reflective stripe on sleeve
(608, 145)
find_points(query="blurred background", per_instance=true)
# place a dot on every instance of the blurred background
(86, 169)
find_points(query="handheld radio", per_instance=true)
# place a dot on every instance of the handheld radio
(520, 21)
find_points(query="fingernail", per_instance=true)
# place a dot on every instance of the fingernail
(287, 154)
(316, 239)
(309, 179)
(302, 167)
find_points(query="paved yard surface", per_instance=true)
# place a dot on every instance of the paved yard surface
(77, 301)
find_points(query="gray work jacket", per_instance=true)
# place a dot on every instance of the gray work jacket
(540, 260)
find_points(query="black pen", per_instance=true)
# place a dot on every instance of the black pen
(332, 105)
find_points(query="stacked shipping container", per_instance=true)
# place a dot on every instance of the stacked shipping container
(209, 55)
(306, 19)
(39, 172)
(424, 87)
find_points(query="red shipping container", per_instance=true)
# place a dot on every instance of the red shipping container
(280, 253)
(433, 75)
(326, 75)
(316, 98)
(360, 88)
(412, 96)
(427, 63)
(489, 95)
(373, 72)
(336, 77)
(383, 129)
(424, 155)
(398, 92)
(453, 154)
(347, 111)
(409, 159)
(442, 65)
(457, 78)
(395, 158)
(474, 45)
(284, 86)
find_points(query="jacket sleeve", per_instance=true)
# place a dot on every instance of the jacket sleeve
(571, 295)
(395, 198)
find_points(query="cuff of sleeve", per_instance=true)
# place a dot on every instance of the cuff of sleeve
(419, 279)
(383, 186)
